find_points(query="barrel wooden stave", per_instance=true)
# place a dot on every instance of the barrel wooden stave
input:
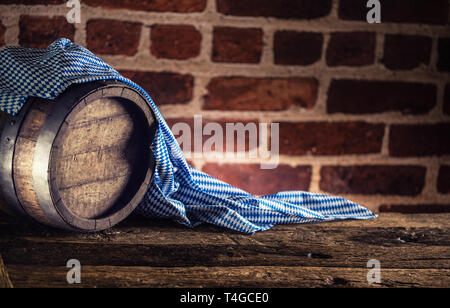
(24, 157)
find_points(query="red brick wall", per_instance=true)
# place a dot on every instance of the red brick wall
(364, 109)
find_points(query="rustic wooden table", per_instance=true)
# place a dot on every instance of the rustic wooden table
(414, 251)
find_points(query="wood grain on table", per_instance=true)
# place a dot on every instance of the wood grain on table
(414, 251)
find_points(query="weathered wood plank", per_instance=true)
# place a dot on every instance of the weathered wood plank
(24, 252)
(150, 243)
(5, 281)
(413, 251)
(228, 277)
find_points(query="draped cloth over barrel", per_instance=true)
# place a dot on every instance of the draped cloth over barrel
(178, 191)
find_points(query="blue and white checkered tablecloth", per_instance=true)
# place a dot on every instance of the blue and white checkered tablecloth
(178, 191)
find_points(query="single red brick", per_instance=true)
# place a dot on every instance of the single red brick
(223, 124)
(404, 52)
(113, 37)
(39, 31)
(237, 45)
(242, 93)
(415, 208)
(447, 99)
(443, 185)
(297, 48)
(368, 180)
(351, 49)
(175, 41)
(363, 96)
(406, 11)
(419, 140)
(2, 34)
(295, 9)
(444, 55)
(164, 87)
(258, 181)
(33, 2)
(178, 6)
(327, 138)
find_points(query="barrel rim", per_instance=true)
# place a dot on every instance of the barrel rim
(47, 197)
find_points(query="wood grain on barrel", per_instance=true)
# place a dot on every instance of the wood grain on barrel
(413, 251)
(99, 149)
(23, 159)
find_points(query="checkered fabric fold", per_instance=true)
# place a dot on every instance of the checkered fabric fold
(178, 191)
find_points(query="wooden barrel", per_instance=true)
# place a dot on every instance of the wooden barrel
(82, 161)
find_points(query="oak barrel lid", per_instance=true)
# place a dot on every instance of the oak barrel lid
(95, 149)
